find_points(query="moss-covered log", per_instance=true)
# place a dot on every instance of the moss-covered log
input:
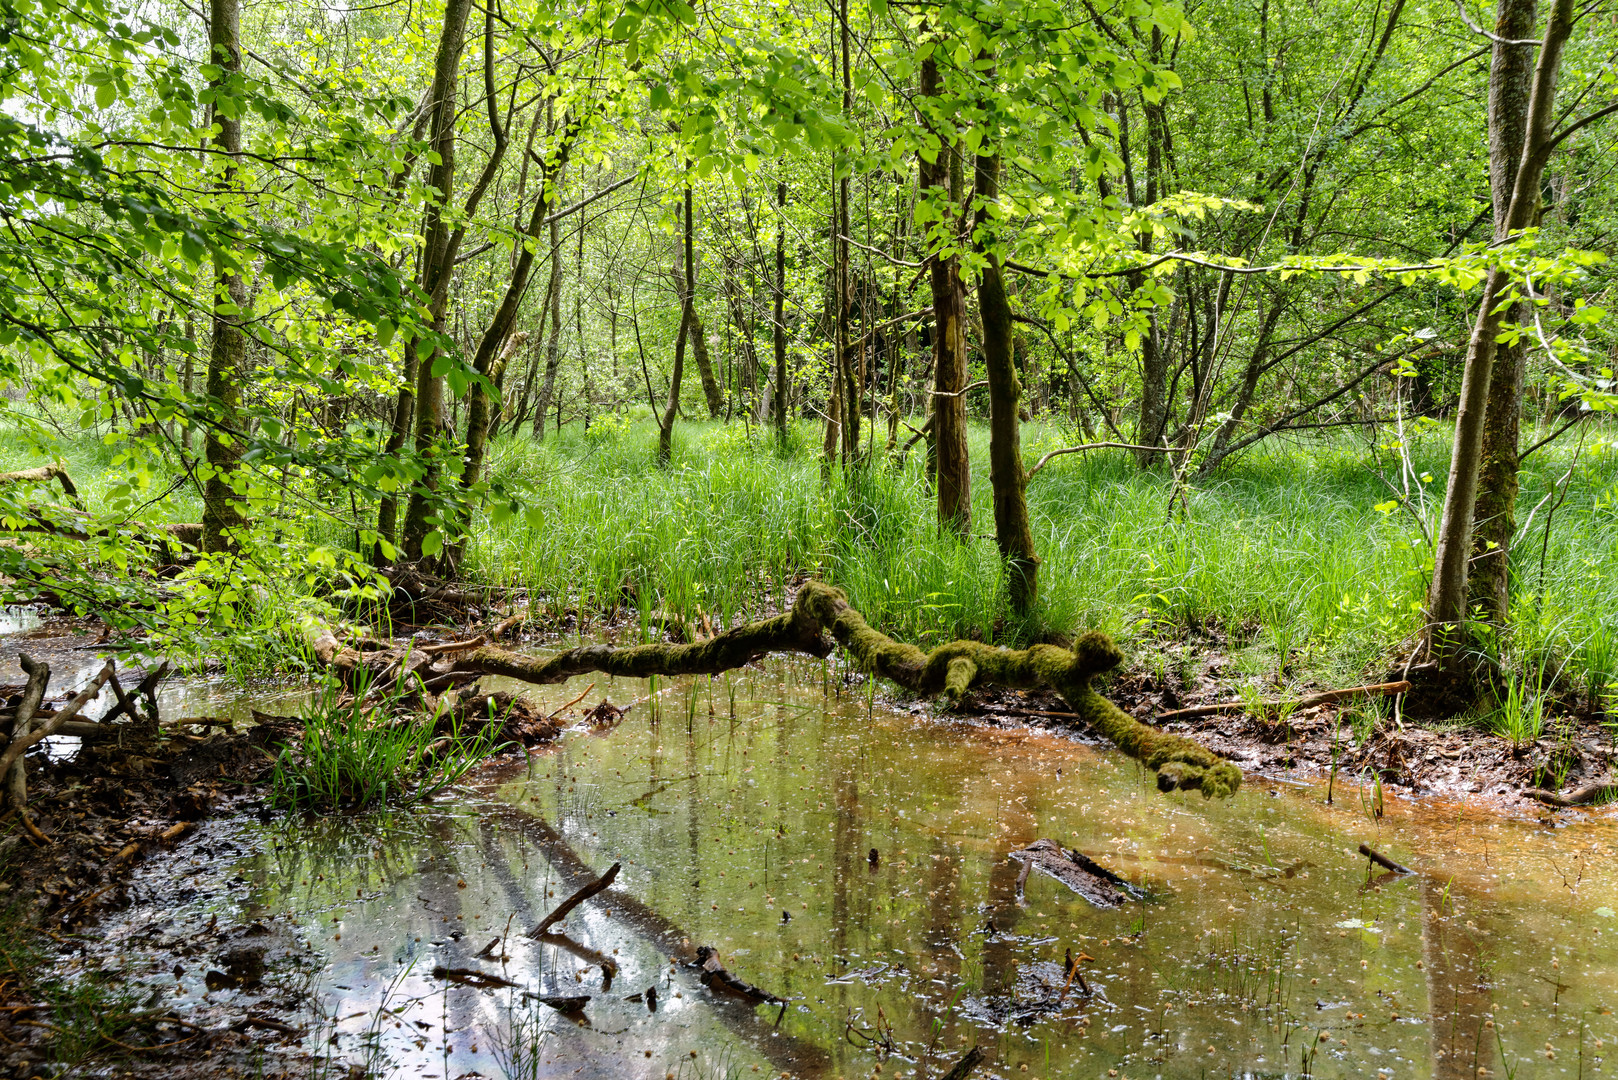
(949, 670)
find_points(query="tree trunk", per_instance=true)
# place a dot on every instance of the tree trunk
(437, 265)
(494, 339)
(853, 392)
(665, 427)
(553, 340)
(1510, 85)
(1012, 532)
(953, 477)
(1447, 596)
(780, 328)
(221, 516)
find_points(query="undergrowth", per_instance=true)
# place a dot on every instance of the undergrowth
(1291, 556)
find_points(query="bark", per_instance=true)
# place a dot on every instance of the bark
(1447, 596)
(221, 515)
(1012, 532)
(953, 476)
(699, 352)
(15, 779)
(950, 670)
(1510, 86)
(439, 245)
(780, 327)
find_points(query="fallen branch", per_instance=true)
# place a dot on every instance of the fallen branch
(1046, 460)
(1325, 697)
(950, 670)
(15, 778)
(1588, 795)
(1383, 861)
(44, 475)
(575, 900)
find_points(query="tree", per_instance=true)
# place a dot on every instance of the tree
(221, 518)
(1447, 596)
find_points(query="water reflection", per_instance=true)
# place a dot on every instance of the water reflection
(744, 812)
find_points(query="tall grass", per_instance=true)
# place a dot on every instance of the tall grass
(358, 751)
(1285, 551)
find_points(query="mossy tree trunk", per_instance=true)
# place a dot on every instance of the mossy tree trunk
(1510, 85)
(221, 517)
(950, 670)
(1012, 531)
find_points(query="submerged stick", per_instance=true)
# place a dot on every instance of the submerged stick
(950, 670)
(963, 1068)
(1323, 698)
(1383, 861)
(575, 900)
(1588, 795)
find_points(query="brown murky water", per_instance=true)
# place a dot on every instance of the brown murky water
(744, 812)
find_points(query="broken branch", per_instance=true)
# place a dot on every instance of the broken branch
(21, 743)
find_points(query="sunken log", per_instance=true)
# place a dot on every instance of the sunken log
(1077, 871)
(949, 670)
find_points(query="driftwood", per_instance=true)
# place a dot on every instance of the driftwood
(579, 897)
(949, 670)
(1325, 697)
(1588, 795)
(1383, 861)
(715, 977)
(1077, 871)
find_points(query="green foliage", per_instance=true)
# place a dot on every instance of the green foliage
(359, 751)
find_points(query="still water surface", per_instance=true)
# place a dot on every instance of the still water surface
(853, 859)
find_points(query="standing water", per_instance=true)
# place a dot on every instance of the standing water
(853, 860)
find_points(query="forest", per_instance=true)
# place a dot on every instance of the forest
(559, 464)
